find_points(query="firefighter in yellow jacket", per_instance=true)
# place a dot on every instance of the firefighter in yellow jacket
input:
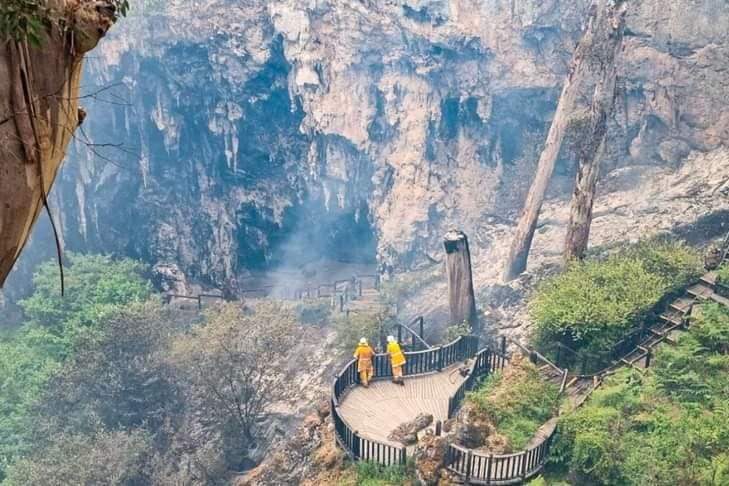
(397, 359)
(364, 355)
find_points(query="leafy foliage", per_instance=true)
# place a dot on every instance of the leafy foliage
(24, 373)
(670, 426)
(22, 20)
(454, 331)
(374, 474)
(96, 288)
(113, 458)
(349, 330)
(236, 364)
(592, 305)
(517, 401)
(31, 356)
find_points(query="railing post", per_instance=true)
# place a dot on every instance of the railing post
(440, 358)
(559, 353)
(489, 464)
(503, 345)
(399, 333)
(421, 328)
(648, 358)
(199, 302)
(341, 303)
(403, 455)
(523, 465)
(469, 465)
(438, 427)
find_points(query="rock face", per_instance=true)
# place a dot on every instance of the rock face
(257, 132)
(39, 111)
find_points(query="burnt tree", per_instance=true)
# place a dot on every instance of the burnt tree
(592, 136)
(460, 281)
(596, 30)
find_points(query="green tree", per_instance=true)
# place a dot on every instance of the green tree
(110, 458)
(96, 287)
(237, 366)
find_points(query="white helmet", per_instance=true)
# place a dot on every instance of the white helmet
(390, 339)
(363, 341)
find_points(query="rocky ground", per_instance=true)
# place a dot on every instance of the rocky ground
(690, 203)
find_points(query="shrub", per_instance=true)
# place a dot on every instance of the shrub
(675, 262)
(97, 287)
(316, 312)
(26, 19)
(454, 331)
(665, 427)
(722, 280)
(517, 401)
(374, 474)
(594, 304)
(349, 330)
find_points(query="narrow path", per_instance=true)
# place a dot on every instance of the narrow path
(375, 411)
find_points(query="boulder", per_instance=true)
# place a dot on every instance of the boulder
(407, 432)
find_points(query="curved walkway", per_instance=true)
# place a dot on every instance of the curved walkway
(375, 411)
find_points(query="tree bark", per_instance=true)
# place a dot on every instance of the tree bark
(39, 92)
(580, 69)
(578, 230)
(460, 281)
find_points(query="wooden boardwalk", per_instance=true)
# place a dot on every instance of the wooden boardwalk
(375, 411)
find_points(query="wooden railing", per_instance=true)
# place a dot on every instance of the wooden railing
(198, 298)
(498, 469)
(418, 363)
(417, 339)
(485, 362)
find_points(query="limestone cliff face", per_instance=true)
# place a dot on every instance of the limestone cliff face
(255, 129)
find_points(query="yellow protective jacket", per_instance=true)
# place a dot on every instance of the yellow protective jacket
(397, 358)
(364, 354)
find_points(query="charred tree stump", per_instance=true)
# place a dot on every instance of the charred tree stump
(460, 282)
(581, 69)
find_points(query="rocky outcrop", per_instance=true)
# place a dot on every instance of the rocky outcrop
(407, 432)
(39, 110)
(247, 124)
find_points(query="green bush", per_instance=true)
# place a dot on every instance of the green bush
(594, 304)
(666, 427)
(722, 280)
(96, 287)
(454, 331)
(517, 401)
(349, 330)
(374, 474)
(26, 19)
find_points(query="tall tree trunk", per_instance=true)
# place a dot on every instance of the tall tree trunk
(460, 282)
(592, 139)
(596, 30)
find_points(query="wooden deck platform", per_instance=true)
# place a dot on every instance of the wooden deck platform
(375, 411)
